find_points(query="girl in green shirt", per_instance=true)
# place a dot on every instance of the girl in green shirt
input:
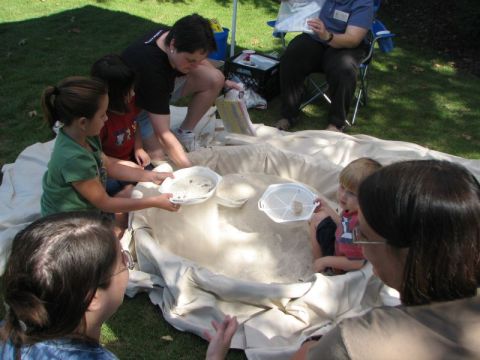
(75, 179)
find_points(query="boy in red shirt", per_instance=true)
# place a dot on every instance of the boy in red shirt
(119, 136)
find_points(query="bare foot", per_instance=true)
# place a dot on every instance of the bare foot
(331, 127)
(283, 124)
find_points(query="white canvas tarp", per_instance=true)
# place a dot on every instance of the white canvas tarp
(239, 262)
(207, 260)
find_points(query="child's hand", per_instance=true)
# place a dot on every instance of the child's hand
(163, 202)
(323, 206)
(220, 341)
(319, 265)
(129, 164)
(158, 177)
(317, 202)
(142, 158)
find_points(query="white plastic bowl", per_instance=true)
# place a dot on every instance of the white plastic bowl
(277, 202)
(230, 202)
(192, 185)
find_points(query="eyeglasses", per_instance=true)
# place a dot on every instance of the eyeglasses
(127, 260)
(359, 238)
(129, 264)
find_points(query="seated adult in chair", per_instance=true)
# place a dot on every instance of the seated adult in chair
(335, 48)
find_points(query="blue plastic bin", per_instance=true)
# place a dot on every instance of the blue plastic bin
(221, 40)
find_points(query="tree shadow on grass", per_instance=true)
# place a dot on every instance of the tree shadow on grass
(38, 52)
(158, 1)
(413, 96)
(269, 5)
(418, 98)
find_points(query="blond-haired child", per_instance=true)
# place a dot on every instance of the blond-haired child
(331, 233)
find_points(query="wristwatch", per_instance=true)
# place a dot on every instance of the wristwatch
(330, 37)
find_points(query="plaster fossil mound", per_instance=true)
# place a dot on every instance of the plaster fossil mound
(239, 242)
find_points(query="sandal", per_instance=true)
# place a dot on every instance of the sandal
(283, 124)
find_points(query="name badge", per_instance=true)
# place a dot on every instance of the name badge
(341, 15)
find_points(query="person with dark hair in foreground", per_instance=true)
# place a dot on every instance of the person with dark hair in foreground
(418, 224)
(171, 63)
(66, 275)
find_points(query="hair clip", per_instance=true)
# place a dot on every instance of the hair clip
(6, 306)
(23, 326)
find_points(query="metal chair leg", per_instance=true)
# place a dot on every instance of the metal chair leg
(361, 98)
(319, 90)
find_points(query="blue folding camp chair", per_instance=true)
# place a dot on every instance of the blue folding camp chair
(378, 34)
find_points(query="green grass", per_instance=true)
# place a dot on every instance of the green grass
(414, 96)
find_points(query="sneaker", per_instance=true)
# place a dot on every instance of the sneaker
(186, 138)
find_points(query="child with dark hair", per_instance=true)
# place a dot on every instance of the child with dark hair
(77, 170)
(331, 233)
(66, 275)
(119, 136)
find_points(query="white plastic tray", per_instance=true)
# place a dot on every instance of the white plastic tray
(192, 185)
(277, 202)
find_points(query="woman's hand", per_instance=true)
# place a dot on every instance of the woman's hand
(220, 341)
(158, 177)
(229, 84)
(142, 158)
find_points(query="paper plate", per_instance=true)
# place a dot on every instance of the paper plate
(287, 202)
(192, 185)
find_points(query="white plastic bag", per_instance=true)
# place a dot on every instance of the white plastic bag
(293, 15)
(251, 98)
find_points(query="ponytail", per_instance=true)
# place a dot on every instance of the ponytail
(72, 98)
(48, 105)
